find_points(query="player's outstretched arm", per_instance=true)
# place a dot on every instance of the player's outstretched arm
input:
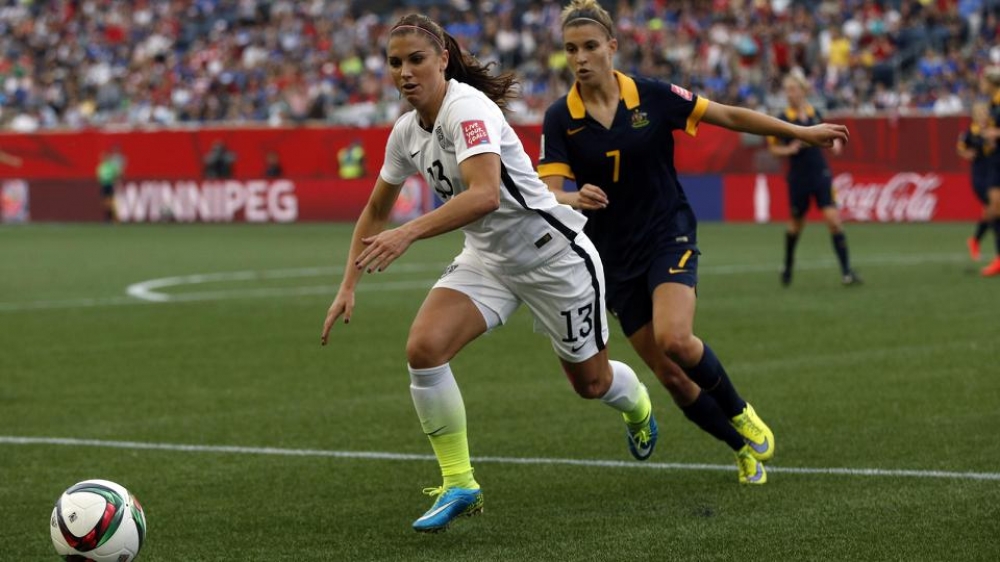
(747, 121)
(373, 219)
(481, 175)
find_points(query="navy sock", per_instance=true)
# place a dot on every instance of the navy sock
(712, 378)
(981, 227)
(996, 235)
(790, 242)
(706, 414)
(840, 246)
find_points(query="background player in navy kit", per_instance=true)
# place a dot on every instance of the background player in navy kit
(990, 86)
(521, 245)
(978, 150)
(613, 134)
(809, 178)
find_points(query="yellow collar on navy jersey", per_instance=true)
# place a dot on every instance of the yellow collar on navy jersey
(974, 129)
(626, 85)
(794, 115)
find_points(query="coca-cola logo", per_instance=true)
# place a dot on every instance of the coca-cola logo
(904, 197)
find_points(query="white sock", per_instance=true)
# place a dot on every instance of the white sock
(626, 394)
(438, 400)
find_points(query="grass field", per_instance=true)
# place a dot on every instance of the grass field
(885, 400)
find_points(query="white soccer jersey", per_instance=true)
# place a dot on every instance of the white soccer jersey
(530, 226)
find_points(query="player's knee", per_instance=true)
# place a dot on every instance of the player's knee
(679, 347)
(588, 384)
(423, 352)
(590, 389)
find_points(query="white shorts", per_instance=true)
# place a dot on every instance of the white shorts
(565, 295)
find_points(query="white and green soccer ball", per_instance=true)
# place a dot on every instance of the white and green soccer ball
(98, 521)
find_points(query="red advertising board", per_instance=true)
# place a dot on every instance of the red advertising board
(862, 197)
(163, 178)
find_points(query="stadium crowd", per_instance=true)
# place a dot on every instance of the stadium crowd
(80, 63)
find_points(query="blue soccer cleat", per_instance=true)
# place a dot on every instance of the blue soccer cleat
(451, 504)
(642, 437)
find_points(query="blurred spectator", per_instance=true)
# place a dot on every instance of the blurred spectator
(219, 161)
(272, 165)
(80, 63)
(351, 161)
(110, 170)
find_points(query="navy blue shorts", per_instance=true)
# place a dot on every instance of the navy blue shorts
(802, 190)
(632, 301)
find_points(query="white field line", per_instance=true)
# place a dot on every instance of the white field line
(374, 455)
(147, 292)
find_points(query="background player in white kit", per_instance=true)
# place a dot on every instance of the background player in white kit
(521, 245)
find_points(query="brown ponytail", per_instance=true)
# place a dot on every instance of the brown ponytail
(461, 66)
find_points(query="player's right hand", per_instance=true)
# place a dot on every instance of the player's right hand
(826, 134)
(591, 198)
(343, 305)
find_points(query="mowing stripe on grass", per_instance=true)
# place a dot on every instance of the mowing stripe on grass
(147, 292)
(374, 455)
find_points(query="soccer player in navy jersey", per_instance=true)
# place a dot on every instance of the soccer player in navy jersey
(613, 135)
(990, 85)
(521, 246)
(809, 178)
(978, 150)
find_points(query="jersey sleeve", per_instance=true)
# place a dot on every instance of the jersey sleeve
(474, 127)
(554, 157)
(683, 109)
(396, 167)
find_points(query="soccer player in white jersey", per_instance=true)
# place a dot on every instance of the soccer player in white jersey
(521, 245)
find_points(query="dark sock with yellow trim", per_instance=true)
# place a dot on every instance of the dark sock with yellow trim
(996, 235)
(981, 228)
(791, 240)
(712, 378)
(840, 246)
(706, 414)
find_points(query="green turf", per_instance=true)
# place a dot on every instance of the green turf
(899, 374)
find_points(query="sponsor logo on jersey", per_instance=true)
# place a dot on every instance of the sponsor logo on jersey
(639, 119)
(681, 92)
(475, 133)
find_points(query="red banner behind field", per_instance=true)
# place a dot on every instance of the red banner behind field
(863, 197)
(163, 177)
(919, 144)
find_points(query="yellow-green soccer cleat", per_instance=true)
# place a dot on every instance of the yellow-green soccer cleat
(451, 504)
(751, 470)
(755, 432)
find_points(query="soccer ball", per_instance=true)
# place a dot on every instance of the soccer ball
(98, 521)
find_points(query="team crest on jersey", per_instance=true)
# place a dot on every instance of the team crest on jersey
(475, 133)
(440, 137)
(639, 119)
(681, 92)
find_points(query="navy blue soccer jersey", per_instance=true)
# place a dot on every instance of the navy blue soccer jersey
(809, 162)
(633, 163)
(994, 158)
(972, 139)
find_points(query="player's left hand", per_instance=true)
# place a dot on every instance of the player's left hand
(383, 249)
(825, 134)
